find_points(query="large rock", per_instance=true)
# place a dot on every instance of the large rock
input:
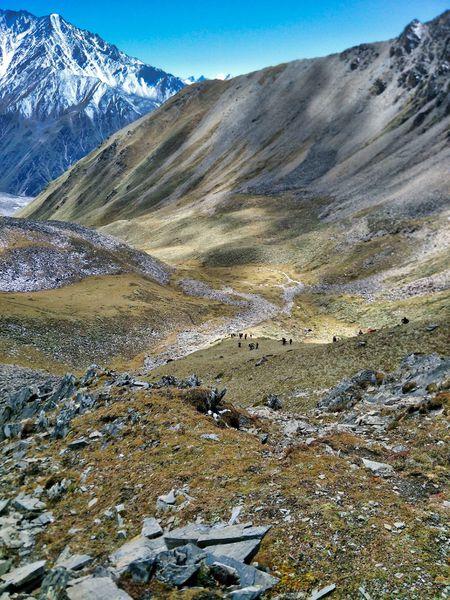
(176, 567)
(18, 578)
(138, 548)
(96, 588)
(248, 576)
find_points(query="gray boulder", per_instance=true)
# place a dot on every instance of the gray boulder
(176, 567)
(138, 548)
(248, 576)
(54, 585)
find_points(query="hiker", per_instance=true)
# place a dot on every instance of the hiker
(290, 342)
(240, 336)
(334, 339)
(405, 320)
(360, 332)
(239, 344)
(245, 336)
(257, 345)
(251, 346)
(284, 341)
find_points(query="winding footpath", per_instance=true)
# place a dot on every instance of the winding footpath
(253, 310)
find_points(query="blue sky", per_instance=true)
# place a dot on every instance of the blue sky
(209, 37)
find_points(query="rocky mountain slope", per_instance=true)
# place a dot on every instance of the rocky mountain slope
(118, 486)
(365, 128)
(39, 256)
(64, 90)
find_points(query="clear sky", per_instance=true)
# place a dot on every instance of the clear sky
(209, 37)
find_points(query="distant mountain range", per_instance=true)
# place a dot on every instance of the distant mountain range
(366, 128)
(63, 91)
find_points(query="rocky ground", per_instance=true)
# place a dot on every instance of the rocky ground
(115, 486)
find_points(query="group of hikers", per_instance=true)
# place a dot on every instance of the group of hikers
(255, 345)
(285, 341)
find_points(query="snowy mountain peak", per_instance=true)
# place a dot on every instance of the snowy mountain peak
(51, 70)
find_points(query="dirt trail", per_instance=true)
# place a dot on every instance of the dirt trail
(253, 310)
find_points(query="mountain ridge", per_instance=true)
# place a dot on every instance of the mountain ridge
(367, 125)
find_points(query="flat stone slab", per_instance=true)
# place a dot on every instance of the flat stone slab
(75, 562)
(151, 528)
(138, 548)
(242, 551)
(26, 504)
(19, 577)
(185, 535)
(231, 534)
(96, 588)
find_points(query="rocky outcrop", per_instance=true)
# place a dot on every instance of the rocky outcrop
(38, 256)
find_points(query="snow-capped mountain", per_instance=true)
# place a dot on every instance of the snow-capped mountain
(64, 90)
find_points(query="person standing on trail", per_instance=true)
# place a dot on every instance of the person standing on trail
(245, 336)
(284, 341)
(240, 336)
(334, 339)
(239, 344)
(257, 345)
(290, 342)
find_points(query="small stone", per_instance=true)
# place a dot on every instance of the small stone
(377, 468)
(92, 502)
(151, 528)
(213, 437)
(274, 402)
(323, 592)
(247, 593)
(166, 501)
(399, 525)
(77, 444)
